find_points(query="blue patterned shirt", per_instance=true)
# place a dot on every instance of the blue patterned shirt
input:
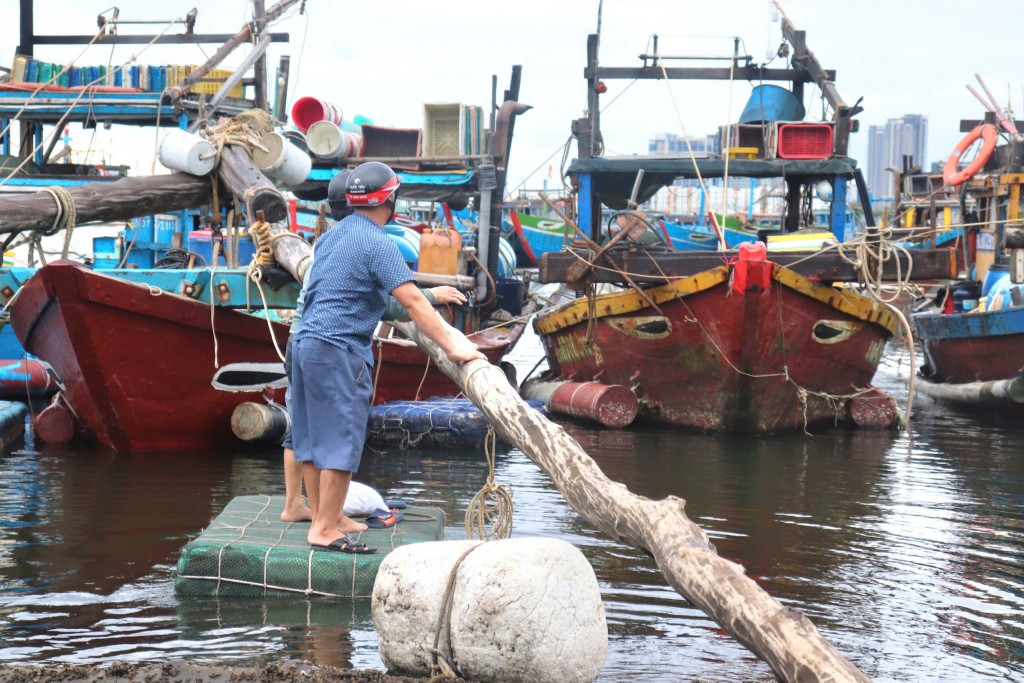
(357, 267)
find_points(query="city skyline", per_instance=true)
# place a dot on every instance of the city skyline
(906, 135)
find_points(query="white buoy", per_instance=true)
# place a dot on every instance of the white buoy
(283, 161)
(180, 150)
(525, 609)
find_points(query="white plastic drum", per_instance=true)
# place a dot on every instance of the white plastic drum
(329, 143)
(283, 162)
(180, 150)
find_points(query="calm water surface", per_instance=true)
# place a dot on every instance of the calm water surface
(906, 550)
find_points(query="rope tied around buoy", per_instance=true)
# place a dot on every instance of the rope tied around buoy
(440, 668)
(489, 513)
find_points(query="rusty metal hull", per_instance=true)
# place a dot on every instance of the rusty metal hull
(784, 355)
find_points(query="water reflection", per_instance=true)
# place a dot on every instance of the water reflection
(907, 550)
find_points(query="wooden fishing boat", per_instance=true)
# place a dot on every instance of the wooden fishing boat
(536, 236)
(976, 357)
(735, 341)
(973, 343)
(145, 369)
(746, 347)
(137, 364)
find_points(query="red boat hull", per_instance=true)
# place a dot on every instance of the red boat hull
(137, 365)
(972, 347)
(751, 347)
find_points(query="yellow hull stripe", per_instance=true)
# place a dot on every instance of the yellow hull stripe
(629, 301)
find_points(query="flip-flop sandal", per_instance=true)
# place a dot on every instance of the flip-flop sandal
(345, 544)
(382, 519)
(396, 504)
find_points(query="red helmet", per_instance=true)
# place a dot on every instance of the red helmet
(371, 184)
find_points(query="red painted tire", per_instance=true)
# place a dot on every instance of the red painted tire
(988, 134)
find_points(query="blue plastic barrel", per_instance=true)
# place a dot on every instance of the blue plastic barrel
(772, 103)
(996, 272)
(408, 242)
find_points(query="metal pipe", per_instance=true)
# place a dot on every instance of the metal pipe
(483, 242)
(503, 130)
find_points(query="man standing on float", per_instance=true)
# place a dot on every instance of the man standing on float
(357, 266)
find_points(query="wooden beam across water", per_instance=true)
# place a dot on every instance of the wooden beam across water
(823, 266)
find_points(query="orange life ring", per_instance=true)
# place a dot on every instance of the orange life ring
(988, 134)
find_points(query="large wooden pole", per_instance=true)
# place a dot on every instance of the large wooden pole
(247, 181)
(120, 200)
(782, 637)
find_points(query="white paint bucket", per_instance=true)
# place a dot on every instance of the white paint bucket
(327, 142)
(180, 150)
(524, 609)
(283, 161)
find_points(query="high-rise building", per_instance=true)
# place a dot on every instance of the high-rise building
(887, 145)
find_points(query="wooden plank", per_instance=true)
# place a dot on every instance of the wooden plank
(828, 266)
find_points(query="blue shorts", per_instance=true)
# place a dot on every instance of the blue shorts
(287, 441)
(330, 404)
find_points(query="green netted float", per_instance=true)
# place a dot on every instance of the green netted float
(247, 551)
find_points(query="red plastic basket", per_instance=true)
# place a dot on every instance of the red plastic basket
(804, 141)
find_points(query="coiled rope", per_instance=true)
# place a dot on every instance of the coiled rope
(261, 238)
(489, 514)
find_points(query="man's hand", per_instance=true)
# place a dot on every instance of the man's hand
(465, 352)
(447, 295)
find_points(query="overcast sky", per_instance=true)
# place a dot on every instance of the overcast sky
(385, 59)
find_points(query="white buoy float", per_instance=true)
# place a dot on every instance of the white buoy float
(180, 150)
(524, 609)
